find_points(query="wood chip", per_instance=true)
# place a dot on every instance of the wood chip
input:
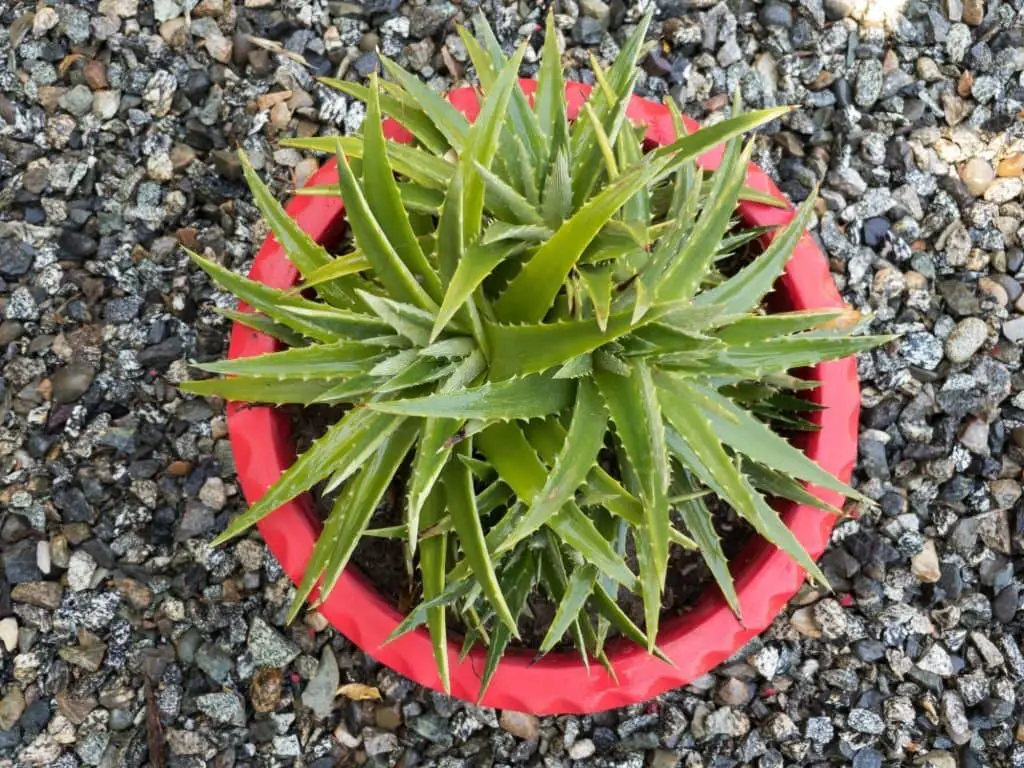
(359, 692)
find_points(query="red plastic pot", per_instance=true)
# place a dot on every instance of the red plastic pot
(766, 578)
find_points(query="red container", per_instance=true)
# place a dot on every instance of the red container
(766, 578)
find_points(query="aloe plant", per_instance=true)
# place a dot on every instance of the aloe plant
(536, 343)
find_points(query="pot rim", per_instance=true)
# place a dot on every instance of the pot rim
(697, 641)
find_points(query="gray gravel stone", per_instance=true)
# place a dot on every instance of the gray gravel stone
(268, 647)
(866, 721)
(967, 337)
(224, 708)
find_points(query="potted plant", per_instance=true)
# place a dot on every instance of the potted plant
(550, 351)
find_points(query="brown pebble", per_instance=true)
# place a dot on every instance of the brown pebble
(974, 12)
(211, 8)
(519, 724)
(369, 42)
(49, 96)
(716, 103)
(182, 156)
(187, 237)
(306, 168)
(268, 100)
(95, 73)
(280, 115)
(977, 175)
(1011, 165)
(300, 100)
(306, 129)
(42, 594)
(822, 81)
(174, 32)
(137, 594)
(964, 84)
(265, 691)
(179, 468)
(388, 717)
(891, 62)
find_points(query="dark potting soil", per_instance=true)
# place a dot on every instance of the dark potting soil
(382, 560)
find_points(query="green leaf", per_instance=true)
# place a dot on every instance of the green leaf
(744, 290)
(403, 111)
(451, 235)
(576, 368)
(322, 550)
(634, 409)
(517, 583)
(343, 266)
(784, 487)
(446, 118)
(689, 267)
(697, 519)
(420, 167)
(516, 462)
(360, 449)
(263, 324)
(454, 348)
(702, 453)
(549, 99)
(554, 578)
(432, 572)
(476, 264)
(523, 123)
(458, 486)
(526, 398)
(372, 240)
(597, 282)
(246, 389)
(346, 439)
(751, 195)
(751, 328)
(787, 352)
(370, 485)
(432, 453)
(577, 457)
(629, 147)
(505, 202)
(517, 350)
(577, 592)
(495, 495)
(421, 371)
(557, 206)
(532, 292)
(313, 319)
(755, 440)
(350, 390)
(500, 231)
(302, 251)
(610, 109)
(482, 142)
(609, 609)
(318, 361)
(548, 437)
(604, 142)
(383, 198)
(411, 322)
(454, 591)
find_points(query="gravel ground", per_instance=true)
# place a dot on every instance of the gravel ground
(125, 639)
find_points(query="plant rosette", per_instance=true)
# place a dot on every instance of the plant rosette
(763, 577)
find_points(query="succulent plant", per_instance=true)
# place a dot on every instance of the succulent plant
(539, 347)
